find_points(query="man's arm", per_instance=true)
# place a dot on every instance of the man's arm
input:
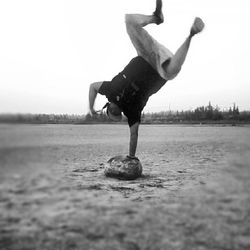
(93, 90)
(133, 139)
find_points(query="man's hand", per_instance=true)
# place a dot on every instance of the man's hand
(132, 157)
(93, 90)
(92, 112)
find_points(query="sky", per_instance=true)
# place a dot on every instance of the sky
(52, 50)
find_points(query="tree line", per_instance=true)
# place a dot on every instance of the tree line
(203, 114)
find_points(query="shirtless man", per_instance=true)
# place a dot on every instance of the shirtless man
(154, 65)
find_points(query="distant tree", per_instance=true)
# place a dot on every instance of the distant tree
(209, 111)
(230, 112)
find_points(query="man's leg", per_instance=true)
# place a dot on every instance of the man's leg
(136, 32)
(173, 66)
(139, 37)
(163, 60)
(143, 42)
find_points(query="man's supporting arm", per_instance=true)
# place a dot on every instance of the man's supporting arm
(93, 90)
(133, 139)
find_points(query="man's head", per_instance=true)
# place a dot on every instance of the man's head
(114, 112)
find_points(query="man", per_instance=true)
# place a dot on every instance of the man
(129, 91)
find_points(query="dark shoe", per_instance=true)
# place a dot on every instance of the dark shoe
(158, 12)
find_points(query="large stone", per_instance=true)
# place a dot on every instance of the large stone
(122, 167)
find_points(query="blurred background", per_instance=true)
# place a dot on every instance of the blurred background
(51, 50)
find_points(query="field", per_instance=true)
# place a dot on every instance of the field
(194, 192)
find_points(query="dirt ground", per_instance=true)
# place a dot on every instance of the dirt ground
(194, 192)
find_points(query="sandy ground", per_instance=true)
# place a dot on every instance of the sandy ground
(194, 192)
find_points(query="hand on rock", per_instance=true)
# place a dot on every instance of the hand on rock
(132, 157)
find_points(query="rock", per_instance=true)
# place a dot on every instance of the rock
(122, 167)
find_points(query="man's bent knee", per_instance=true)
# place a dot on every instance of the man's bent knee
(129, 19)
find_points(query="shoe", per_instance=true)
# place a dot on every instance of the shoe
(158, 12)
(197, 26)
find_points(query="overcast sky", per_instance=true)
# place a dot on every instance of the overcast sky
(51, 50)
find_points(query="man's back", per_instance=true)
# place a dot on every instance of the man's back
(138, 77)
(131, 88)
